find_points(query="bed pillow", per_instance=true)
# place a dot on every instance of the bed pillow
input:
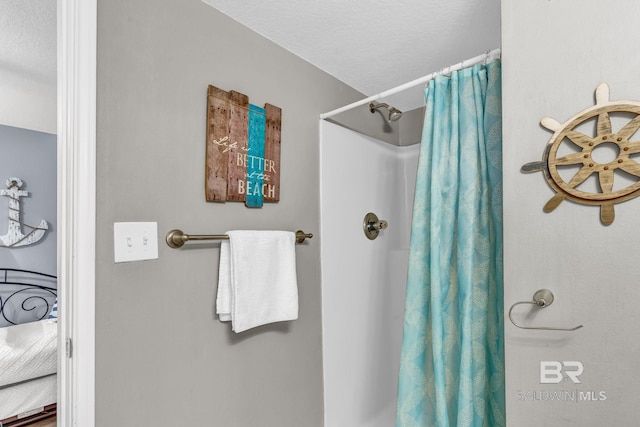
(54, 311)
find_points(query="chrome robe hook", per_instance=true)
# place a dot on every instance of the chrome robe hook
(542, 298)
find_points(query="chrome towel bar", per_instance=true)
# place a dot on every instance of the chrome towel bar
(177, 238)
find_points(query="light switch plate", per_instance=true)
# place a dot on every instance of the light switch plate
(135, 241)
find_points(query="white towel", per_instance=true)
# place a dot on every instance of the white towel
(257, 278)
(223, 300)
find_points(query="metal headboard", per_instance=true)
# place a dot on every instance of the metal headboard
(25, 294)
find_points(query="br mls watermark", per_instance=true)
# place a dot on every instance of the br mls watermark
(551, 371)
(555, 372)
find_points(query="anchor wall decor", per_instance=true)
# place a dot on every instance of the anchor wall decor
(14, 236)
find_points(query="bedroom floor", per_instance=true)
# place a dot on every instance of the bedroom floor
(51, 422)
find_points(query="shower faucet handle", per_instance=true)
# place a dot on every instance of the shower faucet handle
(372, 225)
(378, 225)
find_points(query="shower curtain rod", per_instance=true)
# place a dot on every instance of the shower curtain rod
(416, 82)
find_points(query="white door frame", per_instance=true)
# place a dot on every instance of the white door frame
(77, 35)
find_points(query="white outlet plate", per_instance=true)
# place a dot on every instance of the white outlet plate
(135, 241)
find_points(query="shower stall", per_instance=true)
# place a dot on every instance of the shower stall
(363, 281)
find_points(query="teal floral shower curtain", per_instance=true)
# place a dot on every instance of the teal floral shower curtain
(452, 365)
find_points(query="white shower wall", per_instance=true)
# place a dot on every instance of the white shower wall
(363, 281)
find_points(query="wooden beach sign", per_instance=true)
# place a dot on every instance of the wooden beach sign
(242, 149)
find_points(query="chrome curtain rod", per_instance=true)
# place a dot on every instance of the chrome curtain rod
(177, 238)
(466, 63)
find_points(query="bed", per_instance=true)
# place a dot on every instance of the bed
(28, 345)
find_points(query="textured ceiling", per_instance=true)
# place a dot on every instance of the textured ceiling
(28, 40)
(371, 45)
(374, 45)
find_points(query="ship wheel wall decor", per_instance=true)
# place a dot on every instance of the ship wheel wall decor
(580, 157)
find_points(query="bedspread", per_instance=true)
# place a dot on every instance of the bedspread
(21, 398)
(28, 351)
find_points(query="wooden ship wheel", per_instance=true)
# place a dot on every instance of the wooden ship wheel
(618, 161)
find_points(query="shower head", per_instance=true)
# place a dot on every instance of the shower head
(394, 113)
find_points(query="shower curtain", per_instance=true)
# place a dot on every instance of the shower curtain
(452, 365)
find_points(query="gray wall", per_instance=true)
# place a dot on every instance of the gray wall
(555, 53)
(163, 358)
(30, 156)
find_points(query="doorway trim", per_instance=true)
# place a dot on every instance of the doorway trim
(77, 49)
